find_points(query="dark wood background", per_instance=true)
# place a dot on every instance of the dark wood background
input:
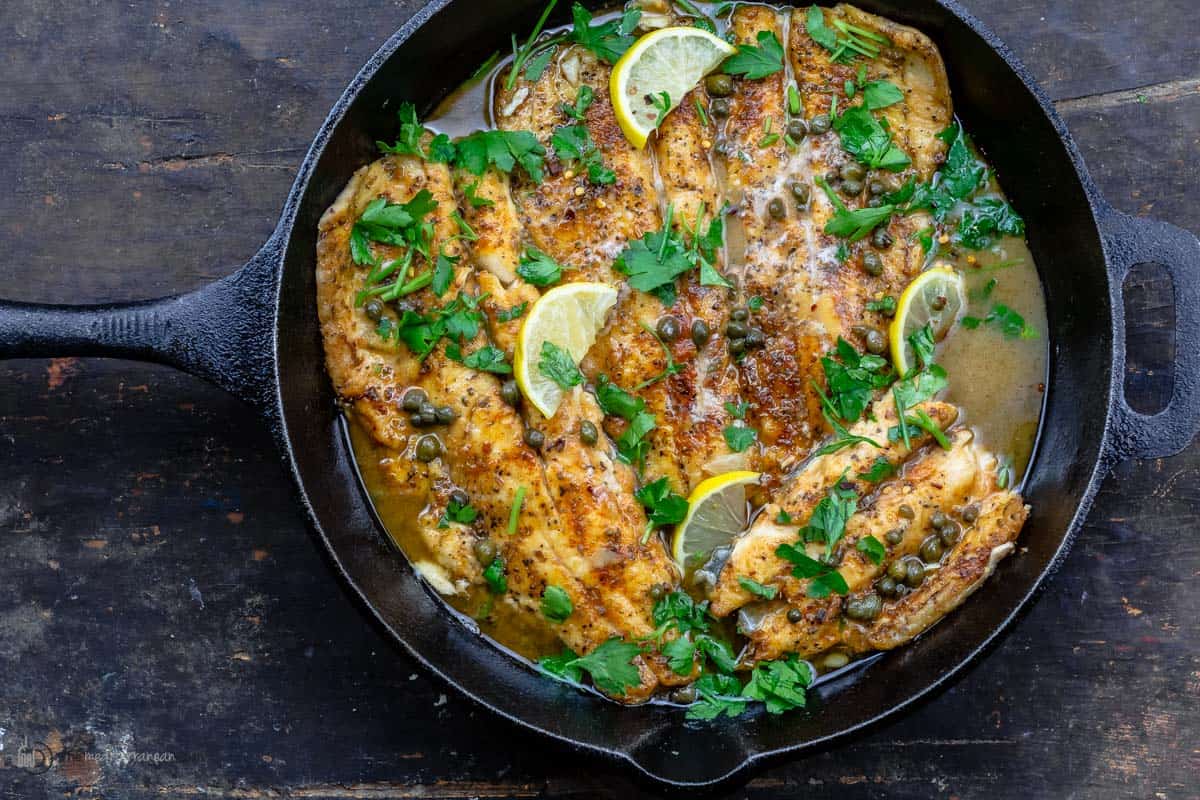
(159, 592)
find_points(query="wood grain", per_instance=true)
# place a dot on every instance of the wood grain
(159, 591)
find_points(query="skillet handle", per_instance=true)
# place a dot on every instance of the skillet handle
(221, 332)
(1130, 241)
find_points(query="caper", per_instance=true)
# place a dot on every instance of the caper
(420, 421)
(851, 188)
(428, 409)
(800, 192)
(756, 338)
(485, 551)
(876, 187)
(931, 549)
(720, 107)
(950, 532)
(510, 393)
(970, 513)
(460, 498)
(901, 590)
(875, 341)
(834, 660)
(874, 202)
(894, 536)
(374, 309)
(907, 512)
(684, 695)
(795, 615)
(897, 570)
(668, 328)
(444, 415)
(429, 447)
(776, 208)
(853, 171)
(833, 559)
(737, 346)
(938, 303)
(700, 333)
(886, 586)
(737, 330)
(719, 85)
(819, 124)
(866, 607)
(534, 438)
(797, 129)
(914, 572)
(938, 519)
(740, 314)
(833, 177)
(872, 264)
(658, 591)
(881, 239)
(588, 433)
(413, 400)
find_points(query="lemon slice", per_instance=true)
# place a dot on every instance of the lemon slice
(570, 316)
(671, 60)
(716, 513)
(937, 297)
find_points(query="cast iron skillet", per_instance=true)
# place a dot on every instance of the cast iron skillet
(255, 333)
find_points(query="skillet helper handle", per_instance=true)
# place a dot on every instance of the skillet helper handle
(221, 332)
(1130, 241)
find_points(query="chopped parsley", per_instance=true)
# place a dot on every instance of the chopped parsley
(504, 150)
(872, 548)
(443, 273)
(485, 359)
(493, 575)
(881, 94)
(651, 264)
(573, 144)
(984, 220)
(583, 101)
(737, 410)
(756, 61)
(852, 225)
(537, 65)
(718, 694)
(397, 224)
(663, 506)
(739, 437)
(521, 54)
(852, 378)
(509, 314)
(827, 525)
(615, 401)
(557, 365)
(783, 518)
(920, 420)
(755, 303)
(845, 42)
(661, 102)
(514, 513)
(780, 685)
(410, 139)
(458, 320)
(1007, 321)
(757, 589)
(880, 469)
(462, 513)
(469, 192)
(884, 305)
(556, 604)
(608, 40)
(611, 666)
(538, 269)
(867, 140)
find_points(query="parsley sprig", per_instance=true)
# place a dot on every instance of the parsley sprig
(756, 61)
(845, 42)
(573, 144)
(610, 666)
(852, 225)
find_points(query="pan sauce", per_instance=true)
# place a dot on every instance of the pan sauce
(998, 381)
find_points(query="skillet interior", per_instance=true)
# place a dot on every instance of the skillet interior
(1040, 173)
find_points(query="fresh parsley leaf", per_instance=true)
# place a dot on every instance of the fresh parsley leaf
(539, 269)
(462, 513)
(443, 273)
(557, 365)
(880, 469)
(842, 438)
(757, 589)
(662, 102)
(718, 694)
(521, 54)
(842, 253)
(556, 604)
(881, 94)
(503, 150)
(608, 40)
(664, 507)
(739, 437)
(1007, 321)
(754, 303)
(493, 575)
(872, 548)
(921, 420)
(615, 401)
(573, 143)
(737, 410)
(509, 314)
(536, 65)
(611, 666)
(514, 513)
(583, 101)
(672, 367)
(985, 219)
(864, 138)
(853, 378)
(783, 518)
(680, 612)
(717, 651)
(653, 262)
(681, 655)
(469, 192)
(845, 42)
(632, 445)
(852, 225)
(562, 666)
(884, 305)
(923, 345)
(410, 139)
(780, 685)
(756, 62)
(828, 521)
(485, 359)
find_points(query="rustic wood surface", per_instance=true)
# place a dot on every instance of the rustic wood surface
(159, 593)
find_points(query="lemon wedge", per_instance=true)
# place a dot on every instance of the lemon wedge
(716, 513)
(657, 72)
(569, 316)
(936, 298)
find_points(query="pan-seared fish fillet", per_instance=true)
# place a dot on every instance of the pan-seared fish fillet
(484, 452)
(753, 555)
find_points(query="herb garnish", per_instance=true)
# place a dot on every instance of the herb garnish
(521, 54)
(462, 513)
(556, 604)
(615, 401)
(573, 143)
(880, 469)
(503, 150)
(664, 507)
(884, 305)
(610, 665)
(872, 548)
(881, 94)
(781, 685)
(864, 138)
(827, 525)
(583, 101)
(469, 192)
(1009, 322)
(608, 40)
(852, 225)
(846, 43)
(757, 589)
(557, 365)
(756, 62)
(739, 437)
(852, 378)
(514, 513)
(493, 575)
(509, 314)
(538, 268)
(485, 359)
(409, 140)
(653, 262)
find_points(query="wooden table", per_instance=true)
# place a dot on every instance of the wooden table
(159, 592)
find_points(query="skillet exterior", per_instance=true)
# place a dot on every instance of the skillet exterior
(256, 334)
